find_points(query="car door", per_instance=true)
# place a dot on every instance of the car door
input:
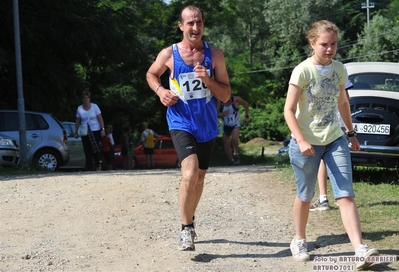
(165, 153)
(10, 127)
(77, 159)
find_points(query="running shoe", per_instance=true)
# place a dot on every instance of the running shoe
(187, 239)
(319, 206)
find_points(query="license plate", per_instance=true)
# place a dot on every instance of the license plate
(381, 129)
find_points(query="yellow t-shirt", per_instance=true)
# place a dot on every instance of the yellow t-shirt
(148, 136)
(318, 102)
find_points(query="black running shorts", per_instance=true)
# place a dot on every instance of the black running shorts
(186, 145)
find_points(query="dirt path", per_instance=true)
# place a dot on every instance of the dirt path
(129, 221)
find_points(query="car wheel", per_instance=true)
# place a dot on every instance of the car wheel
(48, 159)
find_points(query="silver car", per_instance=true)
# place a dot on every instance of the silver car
(77, 159)
(9, 151)
(45, 137)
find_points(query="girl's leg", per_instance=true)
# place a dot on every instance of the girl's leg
(338, 163)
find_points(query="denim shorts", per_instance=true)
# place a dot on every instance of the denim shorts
(336, 156)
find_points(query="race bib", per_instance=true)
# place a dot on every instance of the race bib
(229, 120)
(193, 87)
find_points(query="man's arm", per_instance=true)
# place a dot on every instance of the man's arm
(220, 114)
(156, 70)
(243, 102)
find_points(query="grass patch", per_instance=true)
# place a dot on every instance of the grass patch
(26, 169)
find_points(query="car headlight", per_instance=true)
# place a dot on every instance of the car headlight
(5, 141)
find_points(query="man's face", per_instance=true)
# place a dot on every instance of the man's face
(192, 26)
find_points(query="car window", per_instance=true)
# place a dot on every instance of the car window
(35, 122)
(9, 121)
(68, 129)
(41, 123)
(376, 81)
(167, 144)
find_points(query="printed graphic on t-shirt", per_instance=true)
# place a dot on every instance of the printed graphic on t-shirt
(323, 99)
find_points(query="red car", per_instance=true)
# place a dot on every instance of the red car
(164, 154)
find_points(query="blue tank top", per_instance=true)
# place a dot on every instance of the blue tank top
(195, 112)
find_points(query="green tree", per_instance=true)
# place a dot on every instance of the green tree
(379, 42)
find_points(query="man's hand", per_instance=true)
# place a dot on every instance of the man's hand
(200, 72)
(167, 97)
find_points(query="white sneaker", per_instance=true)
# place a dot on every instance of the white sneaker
(363, 251)
(299, 250)
(187, 239)
(319, 205)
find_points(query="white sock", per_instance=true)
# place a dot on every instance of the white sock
(323, 198)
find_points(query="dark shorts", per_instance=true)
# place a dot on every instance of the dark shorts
(186, 145)
(148, 151)
(227, 130)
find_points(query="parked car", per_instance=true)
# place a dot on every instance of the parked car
(9, 151)
(374, 102)
(285, 149)
(164, 154)
(45, 137)
(77, 159)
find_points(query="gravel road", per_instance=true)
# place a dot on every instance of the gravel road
(129, 221)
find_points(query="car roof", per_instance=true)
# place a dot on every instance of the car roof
(34, 112)
(367, 67)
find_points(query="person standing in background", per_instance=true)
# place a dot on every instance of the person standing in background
(110, 130)
(132, 141)
(124, 143)
(107, 151)
(90, 114)
(147, 138)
